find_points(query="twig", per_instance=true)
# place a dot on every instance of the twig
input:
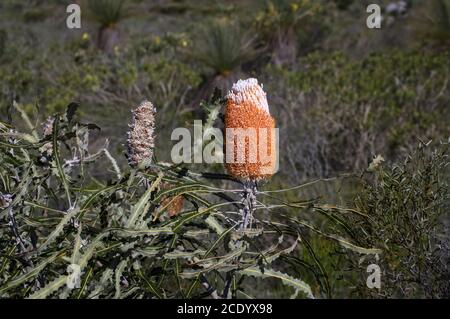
(209, 288)
(249, 202)
(15, 230)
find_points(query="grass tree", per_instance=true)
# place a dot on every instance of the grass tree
(223, 48)
(278, 22)
(107, 13)
(433, 23)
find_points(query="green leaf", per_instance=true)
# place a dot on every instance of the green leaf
(31, 273)
(139, 207)
(285, 279)
(27, 120)
(346, 244)
(214, 263)
(55, 233)
(57, 160)
(342, 241)
(58, 283)
(184, 254)
(118, 274)
(186, 217)
(140, 232)
(49, 288)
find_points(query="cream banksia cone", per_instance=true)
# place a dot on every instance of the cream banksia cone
(247, 108)
(140, 141)
(140, 146)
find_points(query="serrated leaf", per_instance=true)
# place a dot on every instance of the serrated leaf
(31, 273)
(140, 232)
(102, 284)
(346, 244)
(58, 283)
(55, 233)
(140, 205)
(49, 288)
(213, 263)
(57, 160)
(118, 275)
(285, 278)
(176, 254)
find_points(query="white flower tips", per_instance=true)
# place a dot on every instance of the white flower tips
(249, 92)
(376, 162)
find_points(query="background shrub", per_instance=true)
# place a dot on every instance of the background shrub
(406, 208)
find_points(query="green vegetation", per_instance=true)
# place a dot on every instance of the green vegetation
(72, 210)
(106, 12)
(114, 237)
(407, 210)
(377, 105)
(436, 14)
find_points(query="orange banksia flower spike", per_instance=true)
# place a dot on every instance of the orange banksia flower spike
(140, 139)
(250, 139)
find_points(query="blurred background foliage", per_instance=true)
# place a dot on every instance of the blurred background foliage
(341, 93)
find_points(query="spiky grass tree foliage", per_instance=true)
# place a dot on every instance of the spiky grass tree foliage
(107, 13)
(433, 23)
(223, 47)
(64, 234)
(279, 22)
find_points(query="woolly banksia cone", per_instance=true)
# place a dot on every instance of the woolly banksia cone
(140, 141)
(254, 157)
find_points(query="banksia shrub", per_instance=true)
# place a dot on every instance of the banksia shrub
(66, 236)
(250, 142)
(140, 141)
